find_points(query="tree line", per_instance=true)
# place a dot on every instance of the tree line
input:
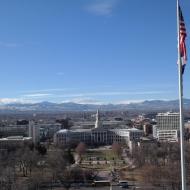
(161, 163)
(32, 167)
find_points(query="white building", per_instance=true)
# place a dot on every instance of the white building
(167, 128)
(168, 135)
(14, 141)
(100, 135)
(168, 120)
(125, 135)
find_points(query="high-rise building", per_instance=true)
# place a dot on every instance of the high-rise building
(167, 128)
(168, 121)
(34, 132)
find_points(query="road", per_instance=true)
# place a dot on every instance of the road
(127, 159)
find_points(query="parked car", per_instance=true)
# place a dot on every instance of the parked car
(123, 184)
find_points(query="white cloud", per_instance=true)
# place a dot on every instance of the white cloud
(48, 90)
(14, 100)
(79, 100)
(8, 100)
(36, 95)
(129, 101)
(84, 101)
(138, 101)
(87, 100)
(99, 97)
(113, 93)
(102, 7)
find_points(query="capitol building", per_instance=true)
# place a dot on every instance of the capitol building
(99, 135)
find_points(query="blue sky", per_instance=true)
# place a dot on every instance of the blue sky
(90, 51)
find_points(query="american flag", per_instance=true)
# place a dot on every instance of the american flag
(182, 37)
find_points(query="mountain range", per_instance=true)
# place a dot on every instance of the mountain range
(153, 105)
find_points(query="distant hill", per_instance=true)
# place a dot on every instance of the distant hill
(153, 105)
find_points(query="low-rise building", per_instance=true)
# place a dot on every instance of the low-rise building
(100, 135)
(14, 130)
(14, 141)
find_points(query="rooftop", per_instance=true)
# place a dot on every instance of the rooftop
(122, 128)
(15, 138)
(168, 114)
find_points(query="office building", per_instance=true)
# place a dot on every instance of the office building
(167, 128)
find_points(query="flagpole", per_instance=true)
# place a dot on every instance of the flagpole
(183, 176)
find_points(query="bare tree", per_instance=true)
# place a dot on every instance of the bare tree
(27, 160)
(56, 164)
(116, 148)
(80, 149)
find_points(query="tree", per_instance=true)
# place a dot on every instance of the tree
(27, 160)
(116, 148)
(80, 149)
(68, 157)
(75, 175)
(41, 149)
(34, 181)
(56, 164)
(7, 179)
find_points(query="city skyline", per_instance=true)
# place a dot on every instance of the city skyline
(100, 51)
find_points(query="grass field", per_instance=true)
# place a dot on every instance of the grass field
(101, 160)
(100, 155)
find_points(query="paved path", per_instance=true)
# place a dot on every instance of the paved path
(127, 159)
